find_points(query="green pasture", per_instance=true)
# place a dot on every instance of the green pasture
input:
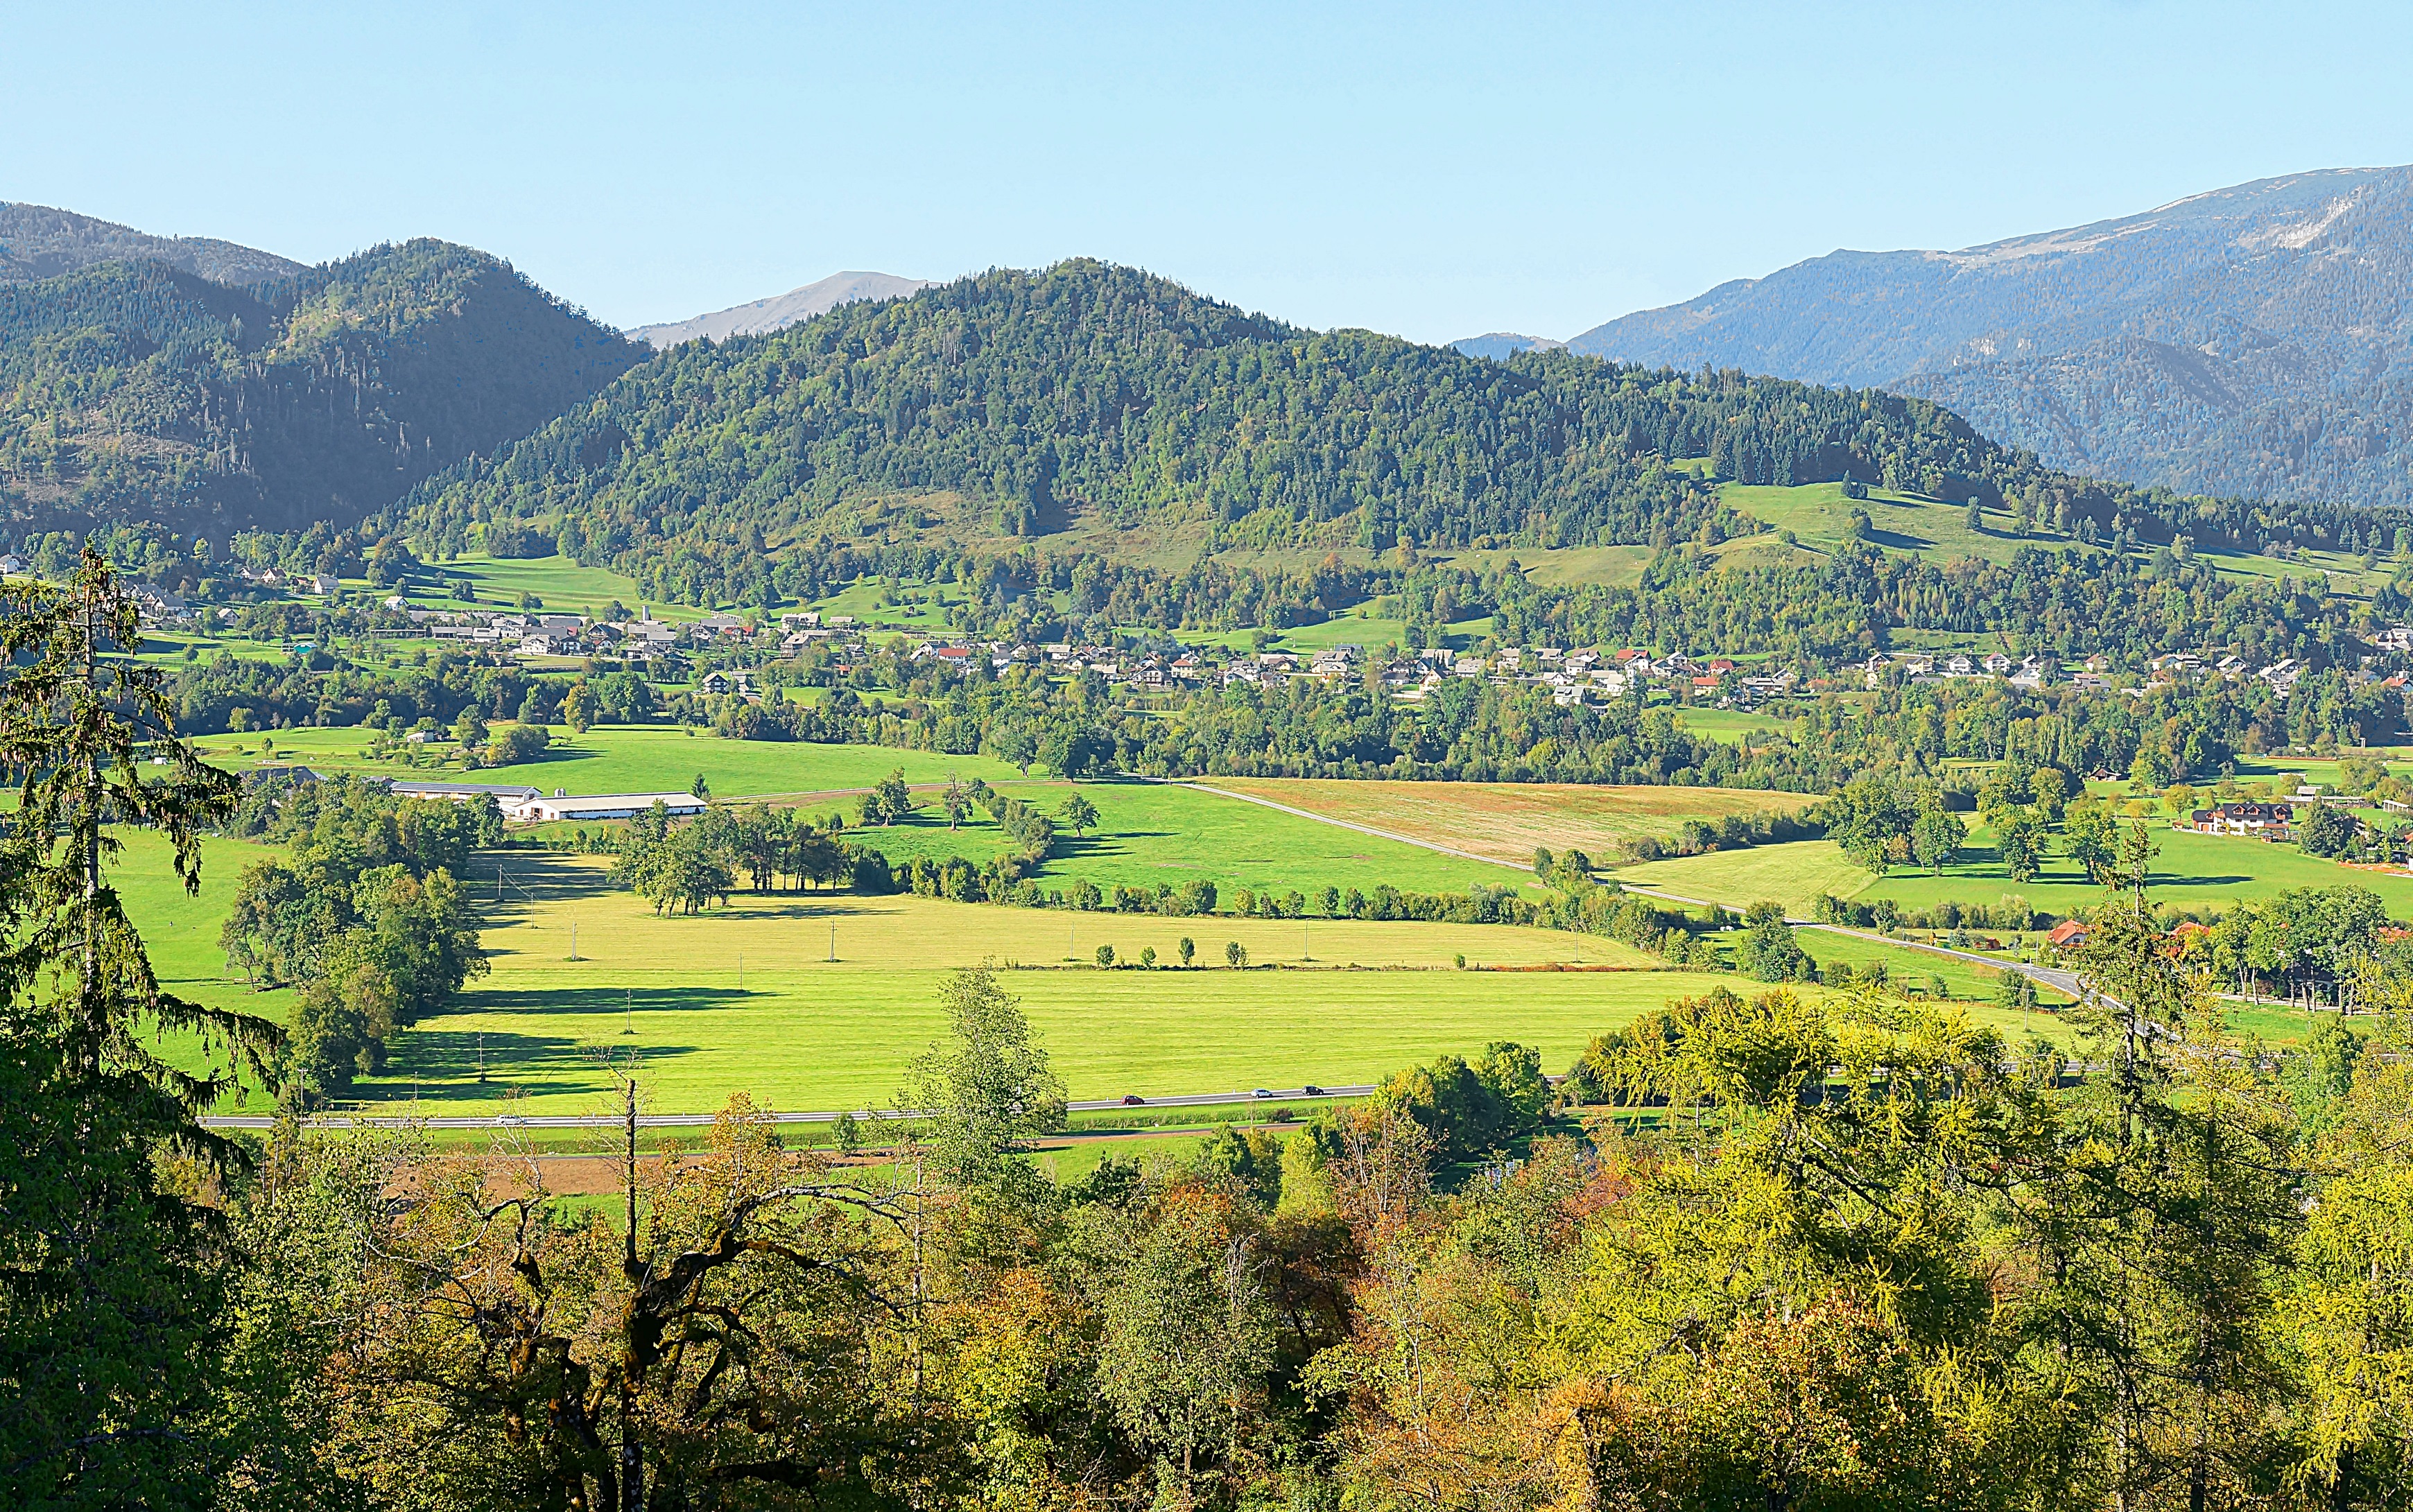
(746, 998)
(565, 586)
(2190, 870)
(635, 759)
(1150, 833)
(1561, 567)
(1819, 517)
(1907, 965)
(1729, 726)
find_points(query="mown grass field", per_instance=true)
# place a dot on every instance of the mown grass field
(1506, 820)
(637, 758)
(565, 586)
(1154, 832)
(2190, 870)
(1733, 726)
(800, 1030)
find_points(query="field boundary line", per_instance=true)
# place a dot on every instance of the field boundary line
(2066, 982)
(1342, 823)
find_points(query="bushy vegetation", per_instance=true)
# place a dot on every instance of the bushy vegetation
(364, 910)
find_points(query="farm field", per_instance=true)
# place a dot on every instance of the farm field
(1505, 821)
(1902, 963)
(1732, 725)
(801, 1030)
(805, 1031)
(1148, 832)
(2190, 870)
(1158, 832)
(565, 586)
(637, 758)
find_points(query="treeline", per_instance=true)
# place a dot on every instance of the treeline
(365, 913)
(2058, 603)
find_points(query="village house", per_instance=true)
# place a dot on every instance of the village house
(2264, 821)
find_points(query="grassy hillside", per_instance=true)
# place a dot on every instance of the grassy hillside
(1819, 517)
(1151, 424)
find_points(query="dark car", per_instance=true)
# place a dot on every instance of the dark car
(1134, 1100)
(1313, 1090)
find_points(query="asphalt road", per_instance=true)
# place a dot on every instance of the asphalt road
(697, 1120)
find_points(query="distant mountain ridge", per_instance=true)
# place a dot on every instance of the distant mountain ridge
(38, 242)
(1501, 345)
(2250, 340)
(781, 310)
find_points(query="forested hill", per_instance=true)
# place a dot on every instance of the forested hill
(139, 391)
(1092, 390)
(38, 242)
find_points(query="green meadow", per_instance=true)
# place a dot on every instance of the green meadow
(749, 997)
(1155, 832)
(637, 758)
(1819, 517)
(2190, 870)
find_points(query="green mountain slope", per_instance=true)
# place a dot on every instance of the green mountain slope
(1119, 408)
(136, 391)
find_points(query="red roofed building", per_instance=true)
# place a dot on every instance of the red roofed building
(2067, 935)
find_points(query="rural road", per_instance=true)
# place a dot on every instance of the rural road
(2052, 977)
(695, 1120)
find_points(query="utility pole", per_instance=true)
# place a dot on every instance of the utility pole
(573, 940)
(833, 942)
(741, 970)
(628, 1010)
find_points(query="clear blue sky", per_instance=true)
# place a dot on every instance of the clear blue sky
(1435, 171)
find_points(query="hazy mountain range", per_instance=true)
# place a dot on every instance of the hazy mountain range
(767, 314)
(2251, 340)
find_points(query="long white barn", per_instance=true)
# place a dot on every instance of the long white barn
(601, 806)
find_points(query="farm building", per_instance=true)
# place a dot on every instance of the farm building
(2067, 935)
(504, 793)
(536, 808)
(2270, 821)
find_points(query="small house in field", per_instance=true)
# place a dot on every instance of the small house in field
(2069, 934)
(2264, 821)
